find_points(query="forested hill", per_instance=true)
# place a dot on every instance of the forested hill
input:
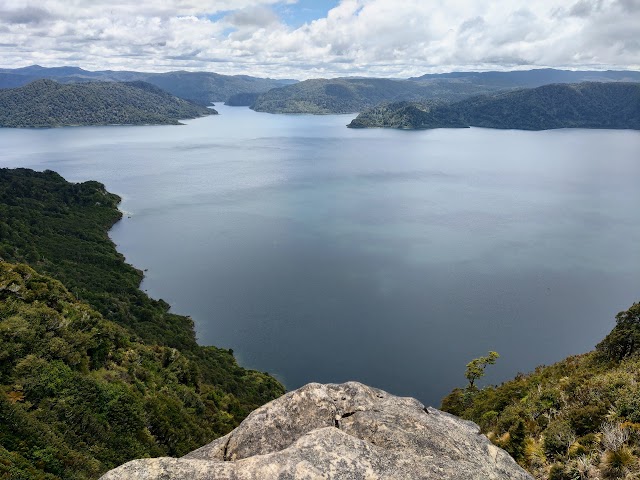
(46, 103)
(200, 87)
(584, 105)
(531, 78)
(97, 373)
(350, 95)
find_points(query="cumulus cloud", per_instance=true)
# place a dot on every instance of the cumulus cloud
(357, 37)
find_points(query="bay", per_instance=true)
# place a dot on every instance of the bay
(320, 253)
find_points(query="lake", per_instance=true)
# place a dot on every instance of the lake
(320, 253)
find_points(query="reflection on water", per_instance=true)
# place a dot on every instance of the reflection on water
(320, 253)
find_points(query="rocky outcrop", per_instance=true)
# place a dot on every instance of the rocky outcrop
(347, 431)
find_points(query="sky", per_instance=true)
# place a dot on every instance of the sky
(314, 38)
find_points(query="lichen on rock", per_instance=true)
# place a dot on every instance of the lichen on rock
(339, 431)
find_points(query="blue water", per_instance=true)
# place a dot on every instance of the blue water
(320, 253)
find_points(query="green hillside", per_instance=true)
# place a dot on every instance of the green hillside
(200, 87)
(350, 95)
(46, 103)
(577, 419)
(532, 78)
(584, 105)
(207, 87)
(98, 374)
(242, 99)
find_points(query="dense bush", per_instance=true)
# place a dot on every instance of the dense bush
(624, 339)
(99, 374)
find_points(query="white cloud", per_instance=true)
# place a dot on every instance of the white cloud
(255, 16)
(357, 37)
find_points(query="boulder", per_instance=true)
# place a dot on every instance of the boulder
(346, 431)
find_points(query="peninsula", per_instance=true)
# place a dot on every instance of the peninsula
(47, 103)
(584, 105)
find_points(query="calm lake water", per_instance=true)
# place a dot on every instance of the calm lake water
(320, 253)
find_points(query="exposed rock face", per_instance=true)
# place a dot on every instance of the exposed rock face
(347, 431)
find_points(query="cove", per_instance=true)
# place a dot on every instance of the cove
(320, 253)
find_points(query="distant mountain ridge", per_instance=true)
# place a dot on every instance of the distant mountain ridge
(319, 96)
(46, 103)
(584, 105)
(200, 87)
(351, 95)
(532, 78)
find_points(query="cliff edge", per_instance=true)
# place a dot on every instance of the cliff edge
(346, 431)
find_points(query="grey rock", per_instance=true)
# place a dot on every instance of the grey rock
(347, 431)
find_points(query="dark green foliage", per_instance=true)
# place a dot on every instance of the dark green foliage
(246, 99)
(45, 103)
(454, 403)
(558, 437)
(72, 416)
(60, 228)
(587, 419)
(624, 339)
(86, 387)
(350, 95)
(585, 105)
(406, 115)
(517, 437)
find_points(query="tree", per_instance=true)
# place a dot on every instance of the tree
(624, 340)
(517, 437)
(475, 368)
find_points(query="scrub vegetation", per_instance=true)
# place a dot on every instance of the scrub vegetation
(576, 419)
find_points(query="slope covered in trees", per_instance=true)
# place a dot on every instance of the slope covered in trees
(350, 95)
(46, 103)
(200, 87)
(207, 87)
(584, 105)
(100, 373)
(577, 419)
(531, 78)
(242, 99)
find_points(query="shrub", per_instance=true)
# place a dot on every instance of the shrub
(624, 340)
(454, 402)
(516, 444)
(558, 438)
(628, 403)
(488, 420)
(586, 419)
(558, 472)
(618, 463)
